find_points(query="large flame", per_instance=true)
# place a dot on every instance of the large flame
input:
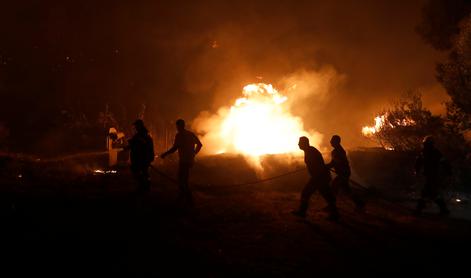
(258, 123)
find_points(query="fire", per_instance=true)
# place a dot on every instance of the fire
(258, 123)
(382, 121)
(370, 130)
(104, 172)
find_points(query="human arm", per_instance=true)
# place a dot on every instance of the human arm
(129, 145)
(173, 149)
(333, 160)
(198, 144)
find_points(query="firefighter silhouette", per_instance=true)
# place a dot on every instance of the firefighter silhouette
(141, 148)
(188, 145)
(319, 180)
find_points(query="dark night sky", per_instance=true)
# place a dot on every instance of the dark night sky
(82, 54)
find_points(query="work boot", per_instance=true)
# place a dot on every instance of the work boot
(333, 213)
(443, 208)
(334, 216)
(360, 205)
(445, 211)
(326, 209)
(189, 202)
(299, 213)
(419, 208)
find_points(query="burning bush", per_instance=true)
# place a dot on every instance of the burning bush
(403, 126)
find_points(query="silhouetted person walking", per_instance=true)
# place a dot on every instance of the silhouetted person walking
(141, 148)
(339, 162)
(430, 161)
(188, 145)
(320, 179)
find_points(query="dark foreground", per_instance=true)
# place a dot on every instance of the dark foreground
(98, 226)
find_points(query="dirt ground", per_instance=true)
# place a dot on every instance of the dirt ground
(98, 225)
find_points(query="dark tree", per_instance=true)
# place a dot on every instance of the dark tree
(455, 73)
(446, 25)
(440, 21)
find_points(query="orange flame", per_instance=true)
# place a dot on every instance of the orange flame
(380, 123)
(258, 123)
(371, 130)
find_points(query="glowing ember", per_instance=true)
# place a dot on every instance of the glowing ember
(258, 123)
(103, 172)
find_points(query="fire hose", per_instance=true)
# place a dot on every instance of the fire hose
(235, 184)
(172, 179)
(353, 182)
(357, 184)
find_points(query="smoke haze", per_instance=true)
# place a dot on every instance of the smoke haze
(179, 58)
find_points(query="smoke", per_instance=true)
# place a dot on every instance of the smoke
(183, 57)
(310, 91)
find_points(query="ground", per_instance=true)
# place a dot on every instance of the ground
(98, 225)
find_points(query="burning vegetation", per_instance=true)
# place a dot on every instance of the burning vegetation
(380, 124)
(259, 123)
(72, 74)
(403, 126)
